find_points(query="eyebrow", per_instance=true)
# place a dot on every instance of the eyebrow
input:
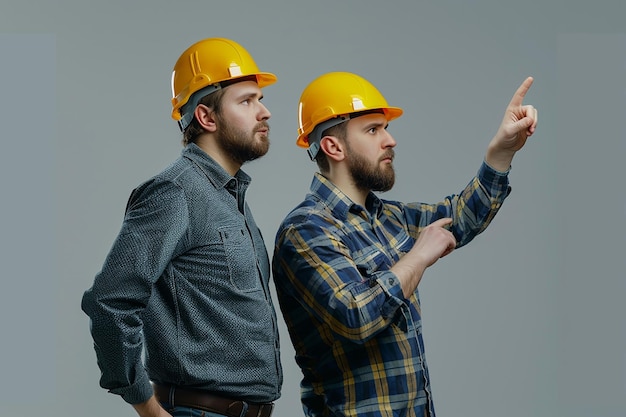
(370, 125)
(248, 95)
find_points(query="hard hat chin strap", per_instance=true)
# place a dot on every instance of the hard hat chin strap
(187, 110)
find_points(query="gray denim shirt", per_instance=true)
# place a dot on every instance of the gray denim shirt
(187, 278)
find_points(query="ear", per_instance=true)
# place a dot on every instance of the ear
(206, 117)
(332, 147)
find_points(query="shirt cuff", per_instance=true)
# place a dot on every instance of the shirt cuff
(390, 284)
(137, 393)
(494, 180)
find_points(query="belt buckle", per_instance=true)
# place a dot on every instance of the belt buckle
(244, 408)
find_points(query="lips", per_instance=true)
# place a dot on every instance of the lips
(388, 156)
(263, 128)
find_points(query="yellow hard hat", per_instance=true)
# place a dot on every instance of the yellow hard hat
(201, 69)
(333, 98)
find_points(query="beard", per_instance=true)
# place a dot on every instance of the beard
(243, 146)
(368, 176)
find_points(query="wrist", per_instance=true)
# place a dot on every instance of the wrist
(499, 159)
(409, 275)
(149, 408)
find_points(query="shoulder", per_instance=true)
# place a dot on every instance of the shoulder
(309, 211)
(308, 220)
(166, 185)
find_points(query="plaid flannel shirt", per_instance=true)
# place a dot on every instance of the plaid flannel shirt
(358, 340)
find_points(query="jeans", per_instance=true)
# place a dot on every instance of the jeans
(188, 412)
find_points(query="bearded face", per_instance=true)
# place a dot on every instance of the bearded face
(371, 175)
(241, 145)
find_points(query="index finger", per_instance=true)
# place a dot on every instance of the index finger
(518, 97)
(442, 222)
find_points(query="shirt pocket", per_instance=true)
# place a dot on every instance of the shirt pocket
(240, 257)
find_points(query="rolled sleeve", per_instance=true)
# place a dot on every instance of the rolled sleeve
(497, 182)
(390, 284)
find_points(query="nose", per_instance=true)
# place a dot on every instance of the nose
(389, 141)
(264, 113)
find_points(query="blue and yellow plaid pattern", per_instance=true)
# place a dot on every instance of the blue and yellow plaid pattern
(358, 341)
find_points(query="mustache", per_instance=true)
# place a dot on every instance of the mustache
(389, 154)
(262, 125)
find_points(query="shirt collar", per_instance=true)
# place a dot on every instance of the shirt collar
(218, 176)
(339, 203)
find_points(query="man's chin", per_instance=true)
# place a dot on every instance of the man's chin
(259, 152)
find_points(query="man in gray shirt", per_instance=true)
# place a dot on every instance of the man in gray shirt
(186, 280)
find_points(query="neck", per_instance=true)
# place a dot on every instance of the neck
(210, 146)
(344, 181)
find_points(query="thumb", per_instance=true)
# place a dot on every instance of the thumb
(524, 123)
(521, 125)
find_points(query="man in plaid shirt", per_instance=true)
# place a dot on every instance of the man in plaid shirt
(347, 264)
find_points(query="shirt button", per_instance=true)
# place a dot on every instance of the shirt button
(391, 281)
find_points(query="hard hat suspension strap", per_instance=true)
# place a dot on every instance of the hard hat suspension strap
(316, 135)
(187, 110)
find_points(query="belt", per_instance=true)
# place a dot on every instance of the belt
(203, 400)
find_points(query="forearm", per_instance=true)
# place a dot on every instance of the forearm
(409, 274)
(116, 329)
(352, 310)
(475, 207)
(335, 292)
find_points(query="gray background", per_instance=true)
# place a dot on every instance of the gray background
(527, 320)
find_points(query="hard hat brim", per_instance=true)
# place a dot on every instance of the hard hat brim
(265, 78)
